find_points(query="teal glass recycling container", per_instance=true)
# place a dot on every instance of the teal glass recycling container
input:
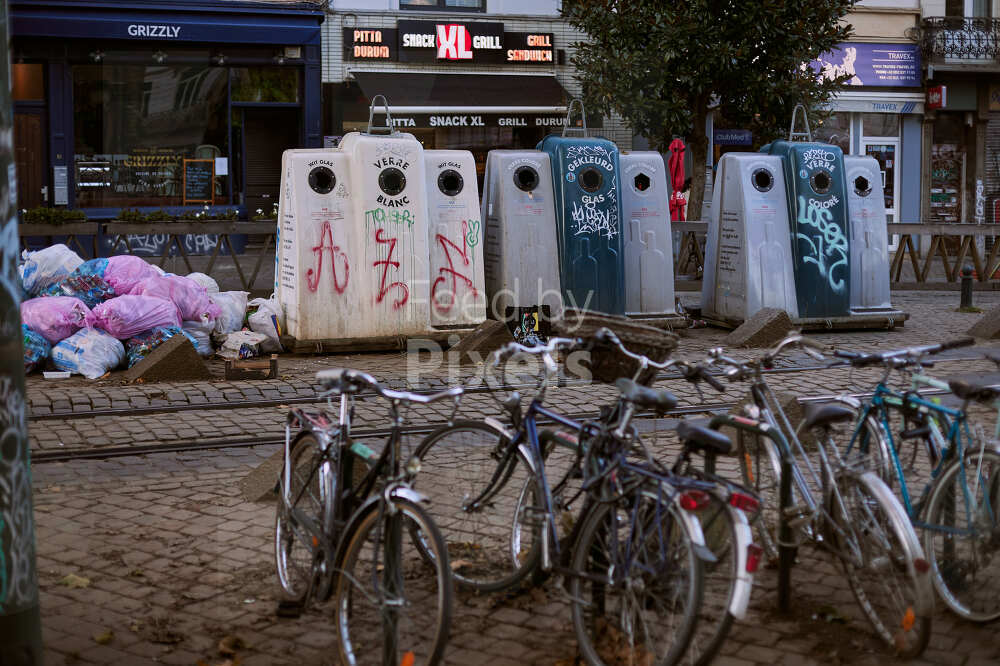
(820, 229)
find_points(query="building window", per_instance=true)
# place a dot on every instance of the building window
(445, 5)
(136, 124)
(880, 124)
(835, 130)
(266, 84)
(28, 82)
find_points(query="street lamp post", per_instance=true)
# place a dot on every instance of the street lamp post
(20, 621)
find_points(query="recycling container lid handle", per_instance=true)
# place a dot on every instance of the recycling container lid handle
(582, 131)
(388, 128)
(792, 134)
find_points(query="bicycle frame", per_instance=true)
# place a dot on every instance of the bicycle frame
(882, 402)
(339, 450)
(526, 440)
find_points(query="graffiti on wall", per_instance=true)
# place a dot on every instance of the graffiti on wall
(445, 300)
(595, 213)
(337, 259)
(826, 245)
(403, 292)
(17, 573)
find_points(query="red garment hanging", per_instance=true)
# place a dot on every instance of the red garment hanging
(675, 164)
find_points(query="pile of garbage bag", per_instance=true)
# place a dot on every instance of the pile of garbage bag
(91, 317)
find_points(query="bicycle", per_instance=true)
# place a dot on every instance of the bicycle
(958, 509)
(342, 517)
(844, 509)
(504, 527)
(725, 517)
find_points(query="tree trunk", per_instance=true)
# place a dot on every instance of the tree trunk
(698, 144)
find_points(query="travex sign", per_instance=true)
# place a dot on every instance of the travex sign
(444, 42)
(478, 120)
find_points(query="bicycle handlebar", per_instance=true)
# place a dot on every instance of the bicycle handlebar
(902, 357)
(553, 345)
(347, 380)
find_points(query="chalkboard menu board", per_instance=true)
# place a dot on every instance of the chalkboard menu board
(199, 181)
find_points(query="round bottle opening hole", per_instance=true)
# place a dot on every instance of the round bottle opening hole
(762, 180)
(322, 180)
(392, 181)
(450, 182)
(862, 187)
(591, 179)
(820, 182)
(526, 178)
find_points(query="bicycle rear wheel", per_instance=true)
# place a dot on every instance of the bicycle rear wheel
(299, 525)
(635, 584)
(719, 580)
(485, 500)
(962, 539)
(390, 600)
(884, 563)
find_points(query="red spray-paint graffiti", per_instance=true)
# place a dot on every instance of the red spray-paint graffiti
(462, 251)
(385, 263)
(313, 275)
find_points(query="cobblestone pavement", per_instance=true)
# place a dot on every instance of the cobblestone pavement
(159, 558)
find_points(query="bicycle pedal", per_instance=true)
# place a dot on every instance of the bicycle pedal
(292, 609)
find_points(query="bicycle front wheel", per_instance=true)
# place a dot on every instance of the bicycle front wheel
(884, 563)
(302, 521)
(760, 468)
(962, 536)
(635, 584)
(393, 604)
(486, 501)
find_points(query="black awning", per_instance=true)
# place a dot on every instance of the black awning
(404, 89)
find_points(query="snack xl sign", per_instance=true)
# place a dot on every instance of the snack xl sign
(431, 41)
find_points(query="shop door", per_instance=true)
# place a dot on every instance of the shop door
(266, 134)
(886, 153)
(30, 159)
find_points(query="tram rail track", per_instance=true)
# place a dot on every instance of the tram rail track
(308, 400)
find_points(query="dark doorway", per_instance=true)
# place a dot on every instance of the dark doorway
(30, 159)
(266, 134)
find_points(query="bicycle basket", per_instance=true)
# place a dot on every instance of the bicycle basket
(607, 363)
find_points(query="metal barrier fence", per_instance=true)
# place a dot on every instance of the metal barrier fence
(951, 246)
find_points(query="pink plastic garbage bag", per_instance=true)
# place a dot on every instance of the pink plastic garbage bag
(191, 299)
(125, 271)
(127, 315)
(54, 317)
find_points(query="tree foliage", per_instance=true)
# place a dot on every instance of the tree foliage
(661, 64)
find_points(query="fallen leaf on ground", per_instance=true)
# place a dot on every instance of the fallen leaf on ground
(74, 581)
(105, 638)
(458, 564)
(230, 644)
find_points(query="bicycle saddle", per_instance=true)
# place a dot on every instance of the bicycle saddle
(824, 413)
(641, 396)
(967, 390)
(700, 438)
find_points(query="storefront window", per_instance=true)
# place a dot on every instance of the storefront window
(879, 124)
(441, 4)
(136, 125)
(28, 82)
(265, 84)
(836, 130)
